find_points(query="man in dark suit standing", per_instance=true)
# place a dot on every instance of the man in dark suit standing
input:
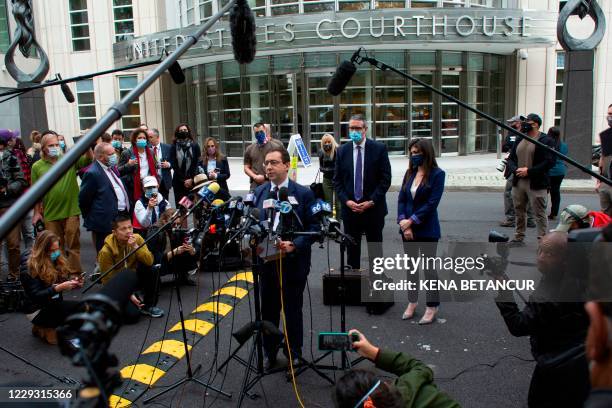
(362, 178)
(295, 250)
(161, 154)
(102, 194)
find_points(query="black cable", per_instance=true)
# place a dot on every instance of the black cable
(490, 365)
(331, 309)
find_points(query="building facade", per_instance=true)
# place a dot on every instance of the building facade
(500, 56)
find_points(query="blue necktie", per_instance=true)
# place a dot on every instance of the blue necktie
(358, 176)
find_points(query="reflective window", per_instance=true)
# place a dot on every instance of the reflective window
(190, 12)
(5, 37)
(86, 103)
(232, 106)
(477, 91)
(205, 9)
(559, 87)
(131, 119)
(123, 14)
(449, 113)
(79, 25)
(391, 106)
(421, 107)
(321, 109)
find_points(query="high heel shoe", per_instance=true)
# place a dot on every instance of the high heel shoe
(409, 312)
(430, 316)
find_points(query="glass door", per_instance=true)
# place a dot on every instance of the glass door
(449, 114)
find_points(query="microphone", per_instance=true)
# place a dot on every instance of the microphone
(236, 206)
(208, 193)
(176, 73)
(287, 203)
(120, 288)
(269, 205)
(185, 203)
(342, 76)
(66, 90)
(242, 27)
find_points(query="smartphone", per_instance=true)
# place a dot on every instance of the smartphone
(337, 341)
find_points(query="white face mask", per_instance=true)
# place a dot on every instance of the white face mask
(54, 151)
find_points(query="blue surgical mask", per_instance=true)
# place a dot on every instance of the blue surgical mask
(55, 255)
(112, 160)
(260, 136)
(416, 160)
(62, 144)
(355, 136)
(116, 144)
(54, 151)
(141, 143)
(151, 193)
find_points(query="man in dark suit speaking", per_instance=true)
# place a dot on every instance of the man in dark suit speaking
(295, 250)
(362, 178)
(102, 194)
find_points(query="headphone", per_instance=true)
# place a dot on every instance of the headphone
(582, 223)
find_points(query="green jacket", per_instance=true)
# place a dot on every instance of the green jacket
(414, 382)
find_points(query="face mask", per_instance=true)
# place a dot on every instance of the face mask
(260, 136)
(116, 144)
(112, 160)
(55, 255)
(182, 134)
(54, 151)
(416, 160)
(141, 143)
(212, 151)
(151, 193)
(609, 121)
(355, 136)
(327, 147)
(62, 144)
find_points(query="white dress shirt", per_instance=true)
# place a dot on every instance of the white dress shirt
(272, 186)
(123, 203)
(362, 144)
(157, 155)
(143, 164)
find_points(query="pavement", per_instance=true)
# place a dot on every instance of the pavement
(469, 349)
(463, 173)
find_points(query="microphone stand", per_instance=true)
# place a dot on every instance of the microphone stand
(359, 59)
(64, 380)
(17, 211)
(190, 375)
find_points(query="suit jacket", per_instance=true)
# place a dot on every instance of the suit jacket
(543, 161)
(97, 199)
(376, 177)
(423, 208)
(223, 174)
(166, 174)
(305, 199)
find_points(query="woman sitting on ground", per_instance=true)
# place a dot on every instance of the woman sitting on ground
(44, 284)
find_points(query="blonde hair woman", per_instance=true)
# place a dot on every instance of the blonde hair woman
(327, 164)
(44, 283)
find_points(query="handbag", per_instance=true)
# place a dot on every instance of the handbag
(317, 186)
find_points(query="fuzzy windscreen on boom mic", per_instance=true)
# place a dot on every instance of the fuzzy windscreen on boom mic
(341, 78)
(242, 27)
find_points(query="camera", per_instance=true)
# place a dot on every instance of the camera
(502, 165)
(337, 341)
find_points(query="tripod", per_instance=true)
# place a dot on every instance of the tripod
(190, 375)
(64, 380)
(255, 331)
(346, 362)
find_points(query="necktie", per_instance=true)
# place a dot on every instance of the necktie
(275, 191)
(153, 217)
(358, 176)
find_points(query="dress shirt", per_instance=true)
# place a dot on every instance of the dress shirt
(123, 203)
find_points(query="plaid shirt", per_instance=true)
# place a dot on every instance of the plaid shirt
(25, 164)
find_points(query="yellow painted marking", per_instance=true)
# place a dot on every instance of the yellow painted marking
(234, 291)
(174, 348)
(201, 327)
(143, 373)
(244, 276)
(214, 307)
(118, 402)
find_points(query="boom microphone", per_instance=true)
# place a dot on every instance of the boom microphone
(341, 78)
(120, 287)
(242, 27)
(66, 90)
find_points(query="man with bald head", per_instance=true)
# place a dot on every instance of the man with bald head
(103, 195)
(556, 325)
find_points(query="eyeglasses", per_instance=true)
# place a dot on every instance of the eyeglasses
(272, 162)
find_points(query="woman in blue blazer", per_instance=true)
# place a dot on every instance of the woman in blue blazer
(417, 216)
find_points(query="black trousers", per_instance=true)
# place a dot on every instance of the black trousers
(54, 314)
(567, 386)
(148, 285)
(555, 194)
(356, 225)
(428, 247)
(99, 237)
(293, 298)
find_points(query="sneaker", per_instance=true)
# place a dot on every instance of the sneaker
(507, 223)
(152, 311)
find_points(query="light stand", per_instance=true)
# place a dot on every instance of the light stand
(190, 375)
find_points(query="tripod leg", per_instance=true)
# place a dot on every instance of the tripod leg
(211, 387)
(231, 356)
(247, 373)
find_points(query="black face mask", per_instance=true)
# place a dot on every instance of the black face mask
(183, 134)
(327, 147)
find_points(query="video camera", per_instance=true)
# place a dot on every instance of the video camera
(496, 266)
